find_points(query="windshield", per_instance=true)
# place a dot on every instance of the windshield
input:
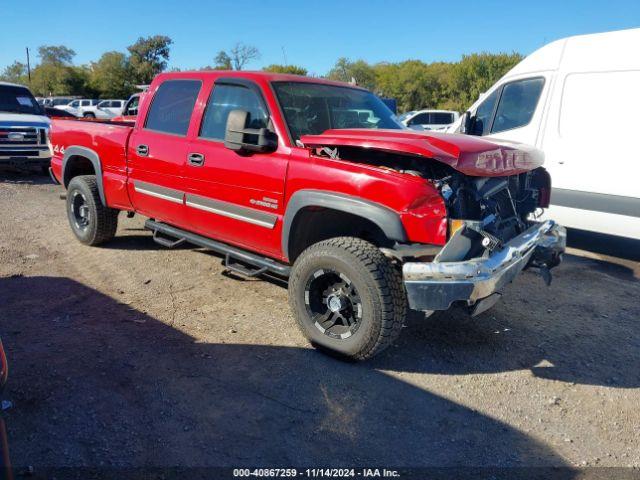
(312, 108)
(406, 115)
(18, 100)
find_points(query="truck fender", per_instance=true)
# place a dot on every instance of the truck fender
(386, 219)
(89, 155)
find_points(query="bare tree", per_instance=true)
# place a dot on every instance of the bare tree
(237, 57)
(242, 54)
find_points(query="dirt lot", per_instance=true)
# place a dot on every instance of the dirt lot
(134, 355)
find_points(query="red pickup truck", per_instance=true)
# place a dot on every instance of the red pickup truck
(315, 181)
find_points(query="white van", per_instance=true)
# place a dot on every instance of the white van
(578, 100)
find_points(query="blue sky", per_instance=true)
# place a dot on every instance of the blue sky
(313, 33)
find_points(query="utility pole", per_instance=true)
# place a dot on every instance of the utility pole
(28, 66)
(284, 55)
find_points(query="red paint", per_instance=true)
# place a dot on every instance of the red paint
(242, 179)
(467, 154)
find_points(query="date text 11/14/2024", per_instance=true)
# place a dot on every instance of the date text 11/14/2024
(316, 473)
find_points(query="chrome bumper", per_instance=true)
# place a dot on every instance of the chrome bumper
(479, 282)
(25, 155)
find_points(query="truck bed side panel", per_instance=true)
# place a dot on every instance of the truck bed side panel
(109, 141)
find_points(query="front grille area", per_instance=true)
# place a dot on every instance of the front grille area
(21, 136)
(502, 204)
(18, 153)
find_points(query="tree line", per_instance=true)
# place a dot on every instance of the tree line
(413, 83)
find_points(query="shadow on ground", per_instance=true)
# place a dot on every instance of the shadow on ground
(13, 175)
(96, 382)
(583, 329)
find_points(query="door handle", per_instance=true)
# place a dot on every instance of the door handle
(195, 159)
(143, 150)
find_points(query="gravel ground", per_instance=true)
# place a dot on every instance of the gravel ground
(134, 355)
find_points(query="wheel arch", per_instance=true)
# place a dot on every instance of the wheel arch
(74, 163)
(385, 220)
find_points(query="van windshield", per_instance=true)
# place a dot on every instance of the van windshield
(312, 108)
(15, 99)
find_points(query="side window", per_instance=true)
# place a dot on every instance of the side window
(231, 97)
(420, 119)
(517, 104)
(172, 105)
(441, 118)
(75, 104)
(484, 113)
(132, 108)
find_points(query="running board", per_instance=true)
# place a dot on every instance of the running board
(261, 264)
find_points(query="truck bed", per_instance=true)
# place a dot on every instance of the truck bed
(105, 138)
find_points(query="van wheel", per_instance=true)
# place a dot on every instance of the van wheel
(89, 115)
(91, 222)
(347, 297)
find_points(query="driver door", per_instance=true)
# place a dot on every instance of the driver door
(234, 196)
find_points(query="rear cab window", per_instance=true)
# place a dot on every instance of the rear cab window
(172, 106)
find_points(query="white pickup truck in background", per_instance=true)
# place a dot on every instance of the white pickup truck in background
(436, 120)
(81, 107)
(577, 99)
(109, 108)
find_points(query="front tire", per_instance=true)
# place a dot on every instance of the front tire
(92, 222)
(347, 297)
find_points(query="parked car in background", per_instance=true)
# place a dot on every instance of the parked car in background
(57, 102)
(130, 109)
(81, 107)
(24, 129)
(366, 220)
(107, 109)
(576, 99)
(438, 120)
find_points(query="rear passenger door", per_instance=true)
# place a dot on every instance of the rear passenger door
(158, 149)
(234, 196)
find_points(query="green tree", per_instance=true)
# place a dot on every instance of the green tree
(359, 71)
(49, 79)
(293, 69)
(414, 84)
(56, 55)
(110, 76)
(476, 73)
(148, 57)
(15, 73)
(222, 61)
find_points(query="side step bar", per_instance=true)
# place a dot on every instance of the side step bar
(261, 264)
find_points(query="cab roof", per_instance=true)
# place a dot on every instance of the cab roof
(252, 75)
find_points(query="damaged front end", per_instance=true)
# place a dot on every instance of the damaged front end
(477, 282)
(492, 193)
(492, 239)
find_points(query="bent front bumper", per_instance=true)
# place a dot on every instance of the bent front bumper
(480, 281)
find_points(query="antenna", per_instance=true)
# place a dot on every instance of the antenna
(28, 66)
(284, 55)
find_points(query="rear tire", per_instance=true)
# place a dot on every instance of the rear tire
(92, 222)
(347, 297)
(89, 115)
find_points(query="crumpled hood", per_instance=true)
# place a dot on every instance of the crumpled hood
(468, 154)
